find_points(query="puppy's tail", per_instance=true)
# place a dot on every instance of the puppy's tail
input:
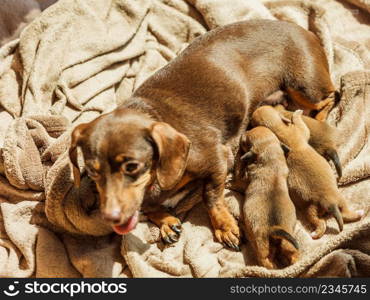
(334, 210)
(279, 233)
(333, 155)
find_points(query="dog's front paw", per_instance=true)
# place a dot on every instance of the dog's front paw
(170, 229)
(229, 237)
(226, 228)
(169, 225)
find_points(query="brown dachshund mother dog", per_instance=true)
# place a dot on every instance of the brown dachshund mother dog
(181, 124)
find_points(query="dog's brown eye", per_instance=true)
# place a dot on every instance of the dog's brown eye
(131, 167)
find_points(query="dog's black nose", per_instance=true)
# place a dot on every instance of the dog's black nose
(113, 216)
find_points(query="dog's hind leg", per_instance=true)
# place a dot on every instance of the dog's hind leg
(265, 258)
(323, 107)
(289, 253)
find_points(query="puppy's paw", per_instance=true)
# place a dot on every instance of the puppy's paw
(315, 235)
(319, 230)
(360, 212)
(352, 216)
(170, 229)
(318, 233)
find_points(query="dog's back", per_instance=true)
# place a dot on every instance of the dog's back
(221, 77)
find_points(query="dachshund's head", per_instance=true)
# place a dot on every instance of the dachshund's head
(125, 152)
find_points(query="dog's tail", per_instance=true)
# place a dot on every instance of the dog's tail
(334, 210)
(333, 155)
(279, 233)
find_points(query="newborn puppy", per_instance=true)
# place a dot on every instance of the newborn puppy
(323, 137)
(310, 179)
(268, 211)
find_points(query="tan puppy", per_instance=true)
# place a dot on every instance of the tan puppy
(323, 137)
(268, 211)
(310, 179)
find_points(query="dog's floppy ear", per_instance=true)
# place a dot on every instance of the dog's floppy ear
(173, 148)
(76, 137)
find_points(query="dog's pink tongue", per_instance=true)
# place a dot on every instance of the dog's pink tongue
(128, 226)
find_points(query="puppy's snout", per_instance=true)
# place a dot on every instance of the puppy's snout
(113, 216)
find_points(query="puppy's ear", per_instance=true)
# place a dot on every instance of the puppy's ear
(245, 146)
(301, 125)
(173, 148)
(76, 138)
(285, 148)
(243, 142)
(249, 156)
(285, 119)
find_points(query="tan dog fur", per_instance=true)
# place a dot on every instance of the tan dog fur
(323, 137)
(311, 181)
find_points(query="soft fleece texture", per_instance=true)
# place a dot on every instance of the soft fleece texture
(81, 58)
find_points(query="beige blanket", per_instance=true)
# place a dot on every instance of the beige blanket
(81, 58)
